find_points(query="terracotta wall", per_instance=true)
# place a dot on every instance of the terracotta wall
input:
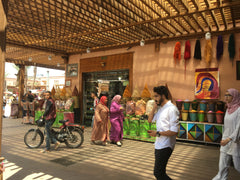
(155, 68)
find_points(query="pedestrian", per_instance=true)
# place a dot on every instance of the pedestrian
(116, 119)
(49, 116)
(100, 125)
(230, 143)
(95, 103)
(167, 123)
(29, 96)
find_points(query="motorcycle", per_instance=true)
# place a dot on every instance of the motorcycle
(69, 133)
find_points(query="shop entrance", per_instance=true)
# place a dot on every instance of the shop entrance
(110, 83)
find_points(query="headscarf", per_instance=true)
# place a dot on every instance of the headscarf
(103, 98)
(116, 99)
(235, 104)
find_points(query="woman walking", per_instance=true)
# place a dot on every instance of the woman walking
(100, 125)
(230, 144)
(116, 119)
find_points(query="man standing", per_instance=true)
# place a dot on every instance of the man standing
(49, 116)
(167, 128)
(95, 102)
(29, 96)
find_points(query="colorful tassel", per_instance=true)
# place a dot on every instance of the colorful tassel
(208, 51)
(219, 47)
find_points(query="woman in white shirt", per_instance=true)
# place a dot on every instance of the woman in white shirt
(230, 144)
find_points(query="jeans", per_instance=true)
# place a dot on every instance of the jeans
(92, 121)
(50, 137)
(161, 159)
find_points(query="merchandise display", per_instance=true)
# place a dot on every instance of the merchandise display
(200, 122)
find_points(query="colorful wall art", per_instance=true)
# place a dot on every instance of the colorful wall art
(207, 83)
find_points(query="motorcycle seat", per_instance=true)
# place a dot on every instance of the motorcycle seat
(63, 121)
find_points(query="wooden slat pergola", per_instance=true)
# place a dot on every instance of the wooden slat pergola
(64, 27)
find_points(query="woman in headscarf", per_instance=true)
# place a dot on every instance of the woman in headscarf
(230, 144)
(100, 126)
(116, 119)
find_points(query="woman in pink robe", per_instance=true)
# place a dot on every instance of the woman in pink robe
(116, 119)
(100, 126)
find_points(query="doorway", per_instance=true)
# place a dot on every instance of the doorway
(109, 83)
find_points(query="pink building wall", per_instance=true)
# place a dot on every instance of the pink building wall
(156, 68)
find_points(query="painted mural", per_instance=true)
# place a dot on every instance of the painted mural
(207, 83)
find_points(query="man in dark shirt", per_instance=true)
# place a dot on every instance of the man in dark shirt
(29, 96)
(49, 116)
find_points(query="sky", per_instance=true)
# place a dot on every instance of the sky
(41, 72)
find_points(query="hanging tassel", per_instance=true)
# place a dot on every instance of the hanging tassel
(219, 47)
(231, 47)
(187, 54)
(197, 52)
(177, 52)
(208, 51)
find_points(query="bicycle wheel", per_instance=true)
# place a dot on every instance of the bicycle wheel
(74, 139)
(33, 138)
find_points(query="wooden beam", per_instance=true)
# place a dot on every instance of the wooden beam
(223, 15)
(201, 14)
(3, 24)
(168, 14)
(212, 14)
(20, 89)
(192, 16)
(27, 63)
(46, 49)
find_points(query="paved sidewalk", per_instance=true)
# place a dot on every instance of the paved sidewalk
(133, 161)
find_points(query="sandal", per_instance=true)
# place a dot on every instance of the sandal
(45, 151)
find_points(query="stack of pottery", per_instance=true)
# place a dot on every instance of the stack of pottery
(186, 107)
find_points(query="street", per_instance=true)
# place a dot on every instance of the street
(133, 161)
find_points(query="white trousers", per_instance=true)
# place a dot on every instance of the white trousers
(224, 163)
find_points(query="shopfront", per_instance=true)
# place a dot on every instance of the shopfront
(102, 82)
(151, 67)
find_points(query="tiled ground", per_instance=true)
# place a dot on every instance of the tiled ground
(134, 160)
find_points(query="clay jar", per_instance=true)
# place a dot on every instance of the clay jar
(186, 105)
(179, 104)
(220, 106)
(201, 116)
(219, 117)
(195, 105)
(193, 115)
(210, 116)
(203, 106)
(211, 106)
(184, 115)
